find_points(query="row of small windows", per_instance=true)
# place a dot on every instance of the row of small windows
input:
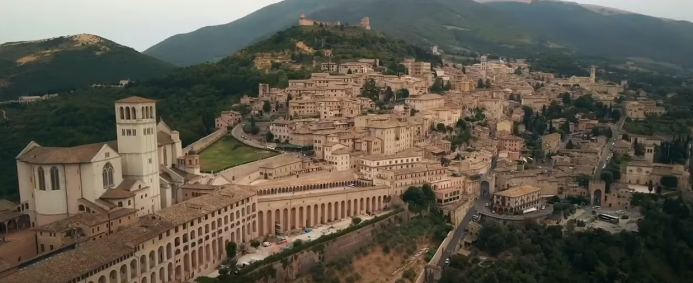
(129, 132)
(133, 132)
(55, 179)
(130, 113)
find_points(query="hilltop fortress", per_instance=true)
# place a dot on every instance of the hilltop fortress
(303, 21)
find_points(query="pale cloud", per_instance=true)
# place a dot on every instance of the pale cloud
(672, 9)
(143, 23)
(135, 23)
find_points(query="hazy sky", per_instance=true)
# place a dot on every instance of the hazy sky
(143, 23)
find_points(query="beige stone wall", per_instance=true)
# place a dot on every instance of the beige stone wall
(18, 247)
(247, 173)
(205, 142)
(302, 263)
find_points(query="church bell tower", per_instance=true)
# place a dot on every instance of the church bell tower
(137, 145)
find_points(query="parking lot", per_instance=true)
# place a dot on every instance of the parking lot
(585, 214)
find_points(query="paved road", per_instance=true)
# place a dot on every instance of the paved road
(615, 135)
(237, 132)
(457, 237)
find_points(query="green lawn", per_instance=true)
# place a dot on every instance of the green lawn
(228, 152)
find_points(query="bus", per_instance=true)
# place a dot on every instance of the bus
(608, 218)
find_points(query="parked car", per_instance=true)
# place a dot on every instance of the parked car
(447, 261)
(266, 244)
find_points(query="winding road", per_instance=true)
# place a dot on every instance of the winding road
(457, 237)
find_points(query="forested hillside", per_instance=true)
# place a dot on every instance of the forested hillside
(631, 36)
(86, 115)
(660, 252)
(212, 43)
(65, 63)
(517, 30)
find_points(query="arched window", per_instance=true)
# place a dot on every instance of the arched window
(134, 113)
(55, 178)
(107, 176)
(165, 157)
(127, 113)
(122, 114)
(41, 179)
(144, 112)
(151, 112)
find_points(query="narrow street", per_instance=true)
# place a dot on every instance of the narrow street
(615, 135)
(457, 237)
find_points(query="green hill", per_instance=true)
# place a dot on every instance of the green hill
(183, 95)
(62, 63)
(511, 29)
(632, 36)
(215, 42)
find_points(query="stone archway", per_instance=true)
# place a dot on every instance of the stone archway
(597, 197)
(485, 188)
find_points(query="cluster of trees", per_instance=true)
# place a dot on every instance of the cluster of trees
(439, 86)
(463, 134)
(419, 198)
(659, 252)
(483, 84)
(675, 151)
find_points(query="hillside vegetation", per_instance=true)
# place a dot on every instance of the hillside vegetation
(630, 36)
(184, 95)
(514, 29)
(212, 43)
(659, 252)
(63, 63)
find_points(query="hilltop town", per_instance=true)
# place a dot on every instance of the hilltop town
(491, 140)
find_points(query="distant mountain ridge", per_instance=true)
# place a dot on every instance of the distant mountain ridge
(514, 29)
(594, 8)
(68, 62)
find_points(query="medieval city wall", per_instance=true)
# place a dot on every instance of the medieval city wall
(206, 141)
(301, 264)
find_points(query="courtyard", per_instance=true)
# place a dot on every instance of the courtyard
(262, 252)
(228, 152)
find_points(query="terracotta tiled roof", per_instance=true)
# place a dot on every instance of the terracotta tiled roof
(518, 191)
(88, 257)
(7, 205)
(135, 99)
(163, 138)
(185, 175)
(62, 155)
(87, 219)
(193, 208)
(117, 194)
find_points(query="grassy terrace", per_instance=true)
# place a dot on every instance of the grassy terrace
(228, 152)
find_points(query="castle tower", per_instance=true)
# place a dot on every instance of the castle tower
(593, 74)
(137, 144)
(649, 152)
(484, 66)
(263, 89)
(366, 23)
